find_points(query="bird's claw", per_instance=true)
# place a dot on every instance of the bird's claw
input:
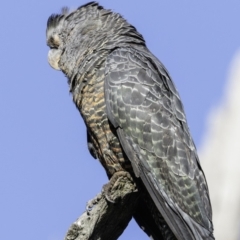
(113, 183)
(92, 202)
(106, 191)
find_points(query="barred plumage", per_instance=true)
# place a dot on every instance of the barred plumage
(134, 118)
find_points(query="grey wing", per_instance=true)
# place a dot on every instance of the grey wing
(145, 108)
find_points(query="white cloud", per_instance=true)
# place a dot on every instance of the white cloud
(220, 158)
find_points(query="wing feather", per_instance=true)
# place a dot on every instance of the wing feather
(145, 108)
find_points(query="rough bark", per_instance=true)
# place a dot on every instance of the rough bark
(104, 220)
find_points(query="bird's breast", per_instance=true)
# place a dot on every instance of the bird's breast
(91, 103)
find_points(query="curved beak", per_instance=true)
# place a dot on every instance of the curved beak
(54, 57)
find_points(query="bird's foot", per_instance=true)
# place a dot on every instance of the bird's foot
(116, 182)
(93, 202)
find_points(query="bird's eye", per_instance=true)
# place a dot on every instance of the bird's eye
(53, 42)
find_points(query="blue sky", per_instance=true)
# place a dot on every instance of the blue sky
(46, 172)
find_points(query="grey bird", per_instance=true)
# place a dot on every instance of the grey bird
(134, 118)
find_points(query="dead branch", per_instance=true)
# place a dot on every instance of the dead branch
(104, 220)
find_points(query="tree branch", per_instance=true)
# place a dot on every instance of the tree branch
(105, 220)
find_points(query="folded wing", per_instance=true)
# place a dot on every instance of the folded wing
(145, 108)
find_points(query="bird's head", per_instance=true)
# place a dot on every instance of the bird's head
(55, 26)
(74, 35)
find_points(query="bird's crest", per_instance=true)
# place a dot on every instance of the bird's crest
(54, 19)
